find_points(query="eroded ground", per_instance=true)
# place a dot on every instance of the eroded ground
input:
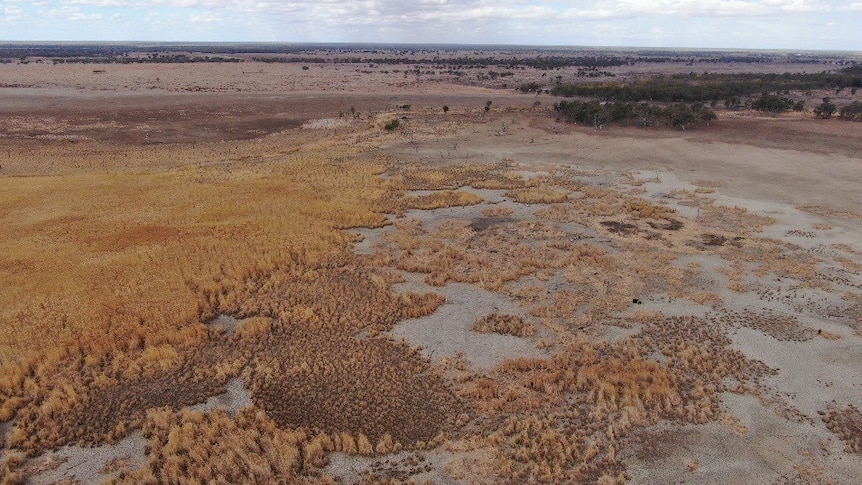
(225, 286)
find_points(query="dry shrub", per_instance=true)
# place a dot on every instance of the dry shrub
(10, 470)
(504, 324)
(441, 199)
(537, 195)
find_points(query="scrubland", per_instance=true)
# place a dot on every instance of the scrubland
(658, 303)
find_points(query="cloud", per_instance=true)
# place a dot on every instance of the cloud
(644, 22)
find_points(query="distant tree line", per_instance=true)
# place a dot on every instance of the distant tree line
(708, 87)
(598, 114)
(150, 59)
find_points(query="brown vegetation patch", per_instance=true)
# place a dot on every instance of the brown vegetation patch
(670, 224)
(313, 369)
(778, 326)
(337, 383)
(115, 400)
(537, 195)
(497, 211)
(489, 258)
(192, 446)
(847, 424)
(569, 417)
(621, 228)
(441, 199)
(491, 176)
(734, 220)
(823, 211)
(712, 240)
(397, 470)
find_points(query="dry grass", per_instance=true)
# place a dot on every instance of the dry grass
(823, 211)
(198, 447)
(497, 211)
(491, 176)
(112, 273)
(537, 195)
(778, 326)
(441, 199)
(505, 325)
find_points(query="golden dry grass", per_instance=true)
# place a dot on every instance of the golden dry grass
(204, 447)
(504, 324)
(114, 270)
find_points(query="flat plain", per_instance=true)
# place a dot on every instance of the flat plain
(403, 265)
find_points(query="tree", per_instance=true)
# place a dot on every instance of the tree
(772, 104)
(487, 106)
(680, 116)
(445, 108)
(852, 112)
(826, 109)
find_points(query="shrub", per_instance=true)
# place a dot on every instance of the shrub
(392, 125)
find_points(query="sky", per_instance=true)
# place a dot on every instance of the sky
(752, 24)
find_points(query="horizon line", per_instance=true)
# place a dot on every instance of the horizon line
(415, 44)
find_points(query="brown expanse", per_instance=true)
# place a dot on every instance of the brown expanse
(474, 297)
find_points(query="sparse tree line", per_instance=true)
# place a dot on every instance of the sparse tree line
(627, 103)
(598, 114)
(706, 87)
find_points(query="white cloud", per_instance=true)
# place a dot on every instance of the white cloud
(676, 22)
